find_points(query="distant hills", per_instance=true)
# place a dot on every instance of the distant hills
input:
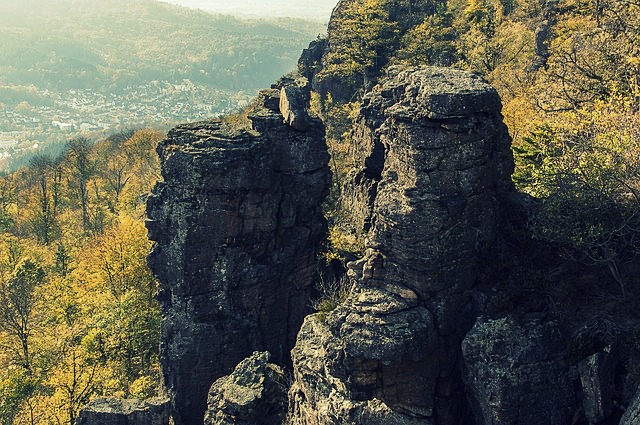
(123, 63)
(61, 44)
(316, 10)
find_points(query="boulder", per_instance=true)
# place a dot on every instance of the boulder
(253, 394)
(517, 373)
(632, 414)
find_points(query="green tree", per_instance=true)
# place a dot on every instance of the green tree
(75, 380)
(16, 386)
(594, 59)
(17, 304)
(45, 176)
(125, 320)
(7, 200)
(362, 37)
(81, 169)
(582, 168)
(432, 42)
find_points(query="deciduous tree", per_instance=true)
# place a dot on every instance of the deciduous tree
(17, 305)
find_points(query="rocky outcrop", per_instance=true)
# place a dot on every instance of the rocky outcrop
(432, 157)
(517, 372)
(632, 414)
(310, 62)
(542, 35)
(236, 223)
(367, 364)
(114, 411)
(254, 394)
(293, 102)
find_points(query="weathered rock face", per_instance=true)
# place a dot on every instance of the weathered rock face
(597, 378)
(632, 414)
(254, 394)
(367, 364)
(236, 223)
(518, 373)
(310, 62)
(114, 411)
(432, 157)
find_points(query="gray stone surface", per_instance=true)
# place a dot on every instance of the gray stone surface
(333, 387)
(517, 373)
(236, 222)
(310, 62)
(432, 156)
(115, 411)
(597, 376)
(253, 394)
(632, 414)
(293, 106)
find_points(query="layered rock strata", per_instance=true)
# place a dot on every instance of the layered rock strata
(432, 157)
(236, 222)
(114, 411)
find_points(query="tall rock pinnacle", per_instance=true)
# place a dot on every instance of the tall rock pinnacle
(432, 156)
(236, 222)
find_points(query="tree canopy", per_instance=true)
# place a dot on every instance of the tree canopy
(78, 317)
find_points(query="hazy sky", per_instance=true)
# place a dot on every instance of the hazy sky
(316, 9)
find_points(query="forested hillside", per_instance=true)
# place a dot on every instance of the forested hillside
(106, 46)
(78, 317)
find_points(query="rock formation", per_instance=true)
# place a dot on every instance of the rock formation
(236, 221)
(432, 158)
(113, 411)
(632, 414)
(515, 371)
(597, 378)
(254, 394)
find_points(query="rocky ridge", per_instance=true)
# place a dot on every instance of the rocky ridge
(113, 411)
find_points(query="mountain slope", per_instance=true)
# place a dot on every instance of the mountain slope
(103, 45)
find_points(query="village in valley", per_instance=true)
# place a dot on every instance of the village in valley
(28, 127)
